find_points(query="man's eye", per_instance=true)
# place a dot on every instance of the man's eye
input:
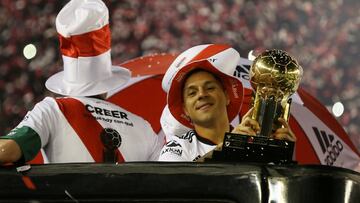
(210, 88)
(191, 93)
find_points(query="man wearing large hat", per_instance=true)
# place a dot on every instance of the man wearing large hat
(82, 126)
(203, 97)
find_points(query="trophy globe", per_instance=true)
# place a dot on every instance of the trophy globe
(275, 76)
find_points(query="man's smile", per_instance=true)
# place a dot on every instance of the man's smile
(203, 106)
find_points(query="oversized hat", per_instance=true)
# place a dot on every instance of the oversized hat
(85, 40)
(218, 59)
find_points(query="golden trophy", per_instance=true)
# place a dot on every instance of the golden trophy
(275, 76)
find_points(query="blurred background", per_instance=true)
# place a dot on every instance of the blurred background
(323, 35)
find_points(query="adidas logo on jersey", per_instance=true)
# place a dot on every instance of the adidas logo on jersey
(329, 146)
(188, 136)
(242, 71)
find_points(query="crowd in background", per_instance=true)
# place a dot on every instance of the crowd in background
(323, 35)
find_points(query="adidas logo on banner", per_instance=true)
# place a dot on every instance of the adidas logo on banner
(330, 148)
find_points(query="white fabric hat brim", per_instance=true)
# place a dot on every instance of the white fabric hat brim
(56, 83)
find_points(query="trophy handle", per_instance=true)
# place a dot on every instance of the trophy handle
(264, 113)
(257, 106)
(269, 108)
(286, 113)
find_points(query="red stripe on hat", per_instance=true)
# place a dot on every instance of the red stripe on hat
(210, 51)
(86, 45)
(85, 126)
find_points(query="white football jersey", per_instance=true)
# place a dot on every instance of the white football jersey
(188, 147)
(70, 128)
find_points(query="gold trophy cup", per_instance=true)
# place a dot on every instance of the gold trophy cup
(275, 76)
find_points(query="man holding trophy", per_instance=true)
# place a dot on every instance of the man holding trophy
(265, 135)
(204, 95)
(275, 76)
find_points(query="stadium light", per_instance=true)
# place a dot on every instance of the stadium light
(29, 51)
(338, 109)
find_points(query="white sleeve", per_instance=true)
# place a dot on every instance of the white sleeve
(157, 140)
(42, 119)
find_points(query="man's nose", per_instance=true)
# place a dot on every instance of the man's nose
(202, 93)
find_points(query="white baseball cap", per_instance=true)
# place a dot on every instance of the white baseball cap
(85, 44)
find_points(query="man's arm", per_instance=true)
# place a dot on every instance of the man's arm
(22, 143)
(9, 151)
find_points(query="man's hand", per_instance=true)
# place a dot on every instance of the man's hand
(285, 132)
(9, 151)
(249, 126)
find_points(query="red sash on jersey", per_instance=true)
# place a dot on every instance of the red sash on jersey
(86, 127)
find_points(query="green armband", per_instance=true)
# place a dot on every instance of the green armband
(28, 140)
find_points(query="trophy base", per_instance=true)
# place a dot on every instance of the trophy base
(260, 149)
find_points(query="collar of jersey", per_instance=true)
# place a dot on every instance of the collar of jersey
(205, 140)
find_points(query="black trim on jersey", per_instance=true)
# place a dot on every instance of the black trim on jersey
(205, 140)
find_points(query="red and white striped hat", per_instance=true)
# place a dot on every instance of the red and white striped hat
(85, 44)
(218, 59)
